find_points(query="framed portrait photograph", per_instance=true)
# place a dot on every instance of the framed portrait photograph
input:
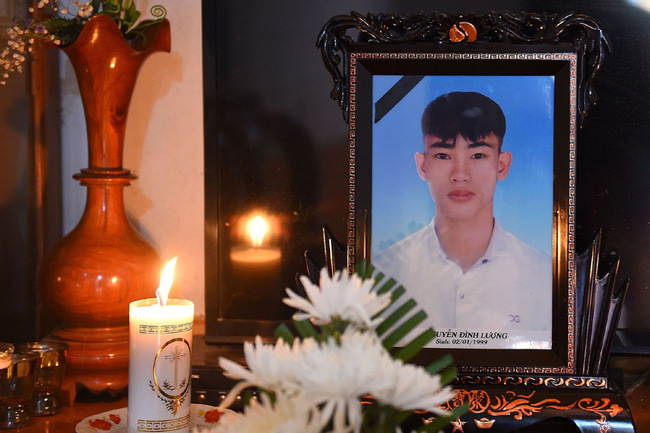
(461, 177)
(460, 181)
(479, 305)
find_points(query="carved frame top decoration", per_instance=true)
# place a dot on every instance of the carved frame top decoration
(448, 30)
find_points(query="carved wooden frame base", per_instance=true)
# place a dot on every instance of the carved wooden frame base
(588, 403)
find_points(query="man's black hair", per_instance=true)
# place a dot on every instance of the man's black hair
(470, 114)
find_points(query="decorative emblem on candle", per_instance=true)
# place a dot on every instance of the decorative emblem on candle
(160, 361)
(172, 388)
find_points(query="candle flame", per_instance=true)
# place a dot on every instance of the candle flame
(257, 228)
(162, 293)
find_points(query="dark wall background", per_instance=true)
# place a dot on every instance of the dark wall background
(17, 264)
(267, 57)
(29, 208)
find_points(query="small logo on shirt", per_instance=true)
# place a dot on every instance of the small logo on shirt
(514, 318)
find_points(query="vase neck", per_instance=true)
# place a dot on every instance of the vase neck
(105, 207)
(106, 67)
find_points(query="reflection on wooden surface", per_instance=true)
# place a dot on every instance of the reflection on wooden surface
(69, 417)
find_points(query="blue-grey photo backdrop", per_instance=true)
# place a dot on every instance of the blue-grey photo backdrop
(523, 202)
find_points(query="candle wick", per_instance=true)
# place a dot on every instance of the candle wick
(161, 300)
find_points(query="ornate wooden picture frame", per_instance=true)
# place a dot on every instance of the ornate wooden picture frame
(376, 61)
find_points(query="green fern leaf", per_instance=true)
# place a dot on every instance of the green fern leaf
(284, 333)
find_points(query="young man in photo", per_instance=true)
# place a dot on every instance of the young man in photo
(464, 270)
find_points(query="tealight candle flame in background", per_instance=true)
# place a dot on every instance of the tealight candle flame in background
(256, 229)
(255, 268)
(256, 232)
(162, 293)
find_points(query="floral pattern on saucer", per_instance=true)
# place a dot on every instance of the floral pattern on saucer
(114, 421)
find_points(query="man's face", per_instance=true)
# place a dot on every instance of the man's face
(462, 174)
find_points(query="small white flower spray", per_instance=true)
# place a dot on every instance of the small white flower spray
(62, 25)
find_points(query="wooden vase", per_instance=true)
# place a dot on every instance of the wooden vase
(92, 274)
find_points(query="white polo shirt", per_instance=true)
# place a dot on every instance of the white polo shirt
(509, 288)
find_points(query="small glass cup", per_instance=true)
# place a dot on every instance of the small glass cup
(50, 369)
(6, 350)
(16, 388)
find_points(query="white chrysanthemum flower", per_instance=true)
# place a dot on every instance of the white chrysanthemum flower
(285, 416)
(345, 296)
(337, 376)
(271, 367)
(411, 387)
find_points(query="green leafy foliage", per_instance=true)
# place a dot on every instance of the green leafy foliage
(383, 419)
(66, 29)
(123, 12)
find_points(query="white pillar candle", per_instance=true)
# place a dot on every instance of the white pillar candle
(160, 347)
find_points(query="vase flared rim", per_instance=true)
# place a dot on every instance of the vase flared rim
(158, 35)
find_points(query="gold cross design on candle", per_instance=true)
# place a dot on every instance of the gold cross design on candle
(175, 357)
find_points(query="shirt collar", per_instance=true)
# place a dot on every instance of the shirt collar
(435, 250)
(495, 247)
(497, 242)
